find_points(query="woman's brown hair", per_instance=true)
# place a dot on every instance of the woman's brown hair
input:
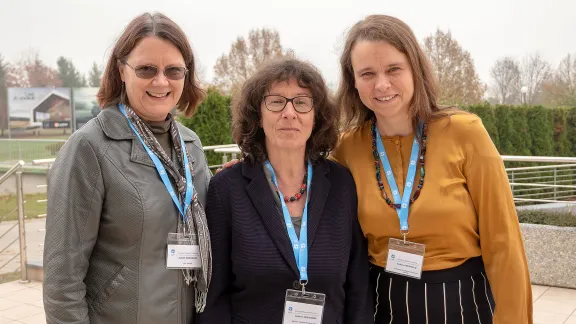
(423, 106)
(145, 25)
(247, 116)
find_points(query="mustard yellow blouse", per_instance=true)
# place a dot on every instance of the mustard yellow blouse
(465, 208)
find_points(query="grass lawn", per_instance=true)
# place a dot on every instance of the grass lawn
(18, 150)
(32, 208)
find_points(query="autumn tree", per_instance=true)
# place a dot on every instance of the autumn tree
(560, 90)
(459, 83)
(31, 71)
(245, 57)
(506, 77)
(41, 75)
(95, 76)
(16, 77)
(534, 72)
(68, 74)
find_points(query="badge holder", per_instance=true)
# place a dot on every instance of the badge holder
(405, 258)
(182, 251)
(302, 307)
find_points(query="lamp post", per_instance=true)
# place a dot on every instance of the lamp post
(524, 91)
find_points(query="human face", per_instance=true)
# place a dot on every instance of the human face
(152, 99)
(383, 78)
(287, 129)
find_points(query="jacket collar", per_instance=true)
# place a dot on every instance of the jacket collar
(115, 126)
(262, 198)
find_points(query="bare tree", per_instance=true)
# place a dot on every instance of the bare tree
(506, 76)
(561, 88)
(245, 57)
(459, 83)
(534, 72)
(200, 74)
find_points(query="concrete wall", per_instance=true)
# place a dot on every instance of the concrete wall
(551, 253)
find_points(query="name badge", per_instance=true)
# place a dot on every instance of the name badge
(405, 258)
(182, 252)
(303, 307)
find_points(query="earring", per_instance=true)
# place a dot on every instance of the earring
(123, 94)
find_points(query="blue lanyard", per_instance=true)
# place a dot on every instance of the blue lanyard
(405, 200)
(300, 247)
(162, 171)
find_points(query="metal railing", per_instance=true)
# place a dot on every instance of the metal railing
(225, 149)
(16, 170)
(530, 185)
(543, 183)
(37, 150)
(12, 150)
(536, 184)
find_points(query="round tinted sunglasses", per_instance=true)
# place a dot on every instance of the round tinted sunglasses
(150, 71)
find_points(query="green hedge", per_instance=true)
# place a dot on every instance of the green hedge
(515, 130)
(529, 130)
(562, 146)
(564, 219)
(212, 123)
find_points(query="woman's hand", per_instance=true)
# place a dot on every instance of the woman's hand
(228, 164)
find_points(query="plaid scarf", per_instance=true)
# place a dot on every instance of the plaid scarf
(195, 220)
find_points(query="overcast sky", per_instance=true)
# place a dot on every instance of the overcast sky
(84, 30)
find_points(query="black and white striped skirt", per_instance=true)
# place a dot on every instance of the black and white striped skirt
(459, 295)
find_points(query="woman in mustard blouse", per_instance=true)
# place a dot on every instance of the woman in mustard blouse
(434, 200)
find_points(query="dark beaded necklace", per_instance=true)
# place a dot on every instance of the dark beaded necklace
(377, 163)
(299, 194)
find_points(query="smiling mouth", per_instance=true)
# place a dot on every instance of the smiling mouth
(385, 99)
(289, 129)
(158, 94)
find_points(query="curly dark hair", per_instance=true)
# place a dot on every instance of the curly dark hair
(247, 115)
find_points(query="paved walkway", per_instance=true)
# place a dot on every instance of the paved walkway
(22, 303)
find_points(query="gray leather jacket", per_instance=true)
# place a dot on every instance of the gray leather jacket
(108, 219)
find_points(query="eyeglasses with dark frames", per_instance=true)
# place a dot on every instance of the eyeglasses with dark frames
(277, 103)
(150, 71)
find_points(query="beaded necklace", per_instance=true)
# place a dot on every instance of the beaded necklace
(377, 163)
(298, 195)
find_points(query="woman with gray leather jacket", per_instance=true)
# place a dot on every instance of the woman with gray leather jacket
(126, 234)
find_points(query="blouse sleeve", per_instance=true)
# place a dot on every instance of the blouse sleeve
(500, 236)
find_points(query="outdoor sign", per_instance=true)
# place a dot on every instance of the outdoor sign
(39, 112)
(85, 105)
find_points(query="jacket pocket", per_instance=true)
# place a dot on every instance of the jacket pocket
(108, 290)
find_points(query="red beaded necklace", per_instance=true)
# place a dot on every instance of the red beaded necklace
(299, 194)
(377, 163)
